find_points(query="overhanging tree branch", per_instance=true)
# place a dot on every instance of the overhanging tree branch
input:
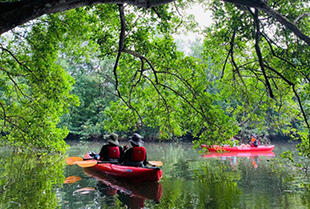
(286, 23)
(259, 54)
(120, 49)
(295, 92)
(120, 45)
(16, 13)
(273, 52)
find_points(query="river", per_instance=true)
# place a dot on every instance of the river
(190, 180)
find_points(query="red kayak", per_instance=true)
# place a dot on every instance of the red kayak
(260, 148)
(137, 174)
(239, 154)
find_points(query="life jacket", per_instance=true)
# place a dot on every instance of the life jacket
(253, 139)
(254, 142)
(138, 154)
(113, 152)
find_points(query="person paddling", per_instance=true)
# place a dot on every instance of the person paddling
(111, 151)
(136, 155)
(254, 142)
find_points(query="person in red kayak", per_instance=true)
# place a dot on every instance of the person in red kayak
(136, 155)
(254, 142)
(111, 151)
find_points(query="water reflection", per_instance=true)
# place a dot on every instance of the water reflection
(189, 181)
(28, 180)
(133, 195)
(232, 157)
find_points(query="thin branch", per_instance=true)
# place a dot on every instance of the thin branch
(273, 53)
(280, 75)
(141, 73)
(156, 12)
(188, 85)
(232, 56)
(11, 73)
(134, 77)
(177, 9)
(225, 62)
(15, 84)
(255, 108)
(301, 108)
(4, 113)
(259, 54)
(21, 64)
(296, 94)
(136, 54)
(186, 100)
(300, 16)
(163, 98)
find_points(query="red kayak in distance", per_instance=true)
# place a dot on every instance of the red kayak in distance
(130, 173)
(239, 154)
(260, 148)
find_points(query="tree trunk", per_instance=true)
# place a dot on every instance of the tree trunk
(13, 14)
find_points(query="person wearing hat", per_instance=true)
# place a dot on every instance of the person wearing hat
(136, 155)
(111, 151)
(254, 142)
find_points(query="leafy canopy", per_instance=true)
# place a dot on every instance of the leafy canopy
(250, 76)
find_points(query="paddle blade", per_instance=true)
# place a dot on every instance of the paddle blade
(73, 160)
(85, 164)
(156, 163)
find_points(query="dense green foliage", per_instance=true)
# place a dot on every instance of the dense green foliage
(129, 75)
(34, 90)
(264, 67)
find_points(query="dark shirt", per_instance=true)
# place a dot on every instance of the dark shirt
(126, 159)
(104, 151)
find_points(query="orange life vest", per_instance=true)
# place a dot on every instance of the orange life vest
(138, 154)
(253, 141)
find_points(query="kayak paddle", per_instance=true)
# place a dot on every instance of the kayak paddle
(85, 164)
(80, 162)
(73, 160)
(156, 163)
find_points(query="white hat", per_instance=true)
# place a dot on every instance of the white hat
(136, 139)
(113, 139)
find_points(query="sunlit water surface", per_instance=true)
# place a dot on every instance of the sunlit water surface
(190, 180)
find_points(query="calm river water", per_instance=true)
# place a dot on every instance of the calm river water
(190, 180)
